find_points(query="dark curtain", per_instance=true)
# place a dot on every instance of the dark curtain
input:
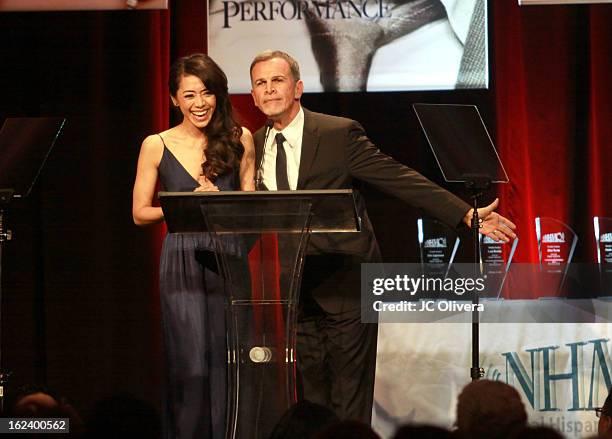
(80, 307)
(598, 140)
(80, 303)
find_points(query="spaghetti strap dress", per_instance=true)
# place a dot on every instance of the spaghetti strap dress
(193, 322)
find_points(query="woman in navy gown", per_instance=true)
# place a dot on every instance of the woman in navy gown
(207, 151)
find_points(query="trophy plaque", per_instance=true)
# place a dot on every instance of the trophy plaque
(496, 257)
(556, 244)
(603, 241)
(438, 244)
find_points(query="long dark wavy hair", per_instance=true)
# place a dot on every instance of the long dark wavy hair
(224, 150)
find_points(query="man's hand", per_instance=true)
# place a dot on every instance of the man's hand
(492, 224)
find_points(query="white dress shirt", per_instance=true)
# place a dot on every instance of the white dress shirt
(293, 148)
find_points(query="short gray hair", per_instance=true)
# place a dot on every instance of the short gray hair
(267, 55)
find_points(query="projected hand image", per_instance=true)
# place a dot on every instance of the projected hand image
(357, 45)
(344, 51)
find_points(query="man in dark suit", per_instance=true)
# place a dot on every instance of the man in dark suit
(307, 150)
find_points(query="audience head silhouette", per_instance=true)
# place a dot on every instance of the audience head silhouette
(490, 410)
(422, 432)
(303, 420)
(537, 432)
(605, 416)
(348, 430)
(123, 416)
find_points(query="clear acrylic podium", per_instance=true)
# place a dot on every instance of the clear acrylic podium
(260, 242)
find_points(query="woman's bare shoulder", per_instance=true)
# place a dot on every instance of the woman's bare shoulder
(152, 149)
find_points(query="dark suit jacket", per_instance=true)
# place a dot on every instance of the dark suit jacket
(335, 153)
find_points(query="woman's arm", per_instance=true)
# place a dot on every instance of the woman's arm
(143, 211)
(247, 165)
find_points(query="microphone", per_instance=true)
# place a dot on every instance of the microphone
(259, 176)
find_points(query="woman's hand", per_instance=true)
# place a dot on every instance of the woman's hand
(205, 185)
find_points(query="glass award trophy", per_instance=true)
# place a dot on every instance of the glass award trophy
(438, 245)
(496, 257)
(603, 241)
(556, 245)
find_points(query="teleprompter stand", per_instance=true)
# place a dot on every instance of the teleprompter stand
(465, 154)
(260, 239)
(25, 144)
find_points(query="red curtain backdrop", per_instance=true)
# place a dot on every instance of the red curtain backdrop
(551, 81)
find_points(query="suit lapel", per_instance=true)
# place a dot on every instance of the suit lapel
(310, 144)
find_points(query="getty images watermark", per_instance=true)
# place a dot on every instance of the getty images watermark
(491, 293)
(426, 286)
(430, 293)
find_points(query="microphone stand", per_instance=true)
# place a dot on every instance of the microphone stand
(258, 174)
(259, 186)
(6, 195)
(477, 184)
